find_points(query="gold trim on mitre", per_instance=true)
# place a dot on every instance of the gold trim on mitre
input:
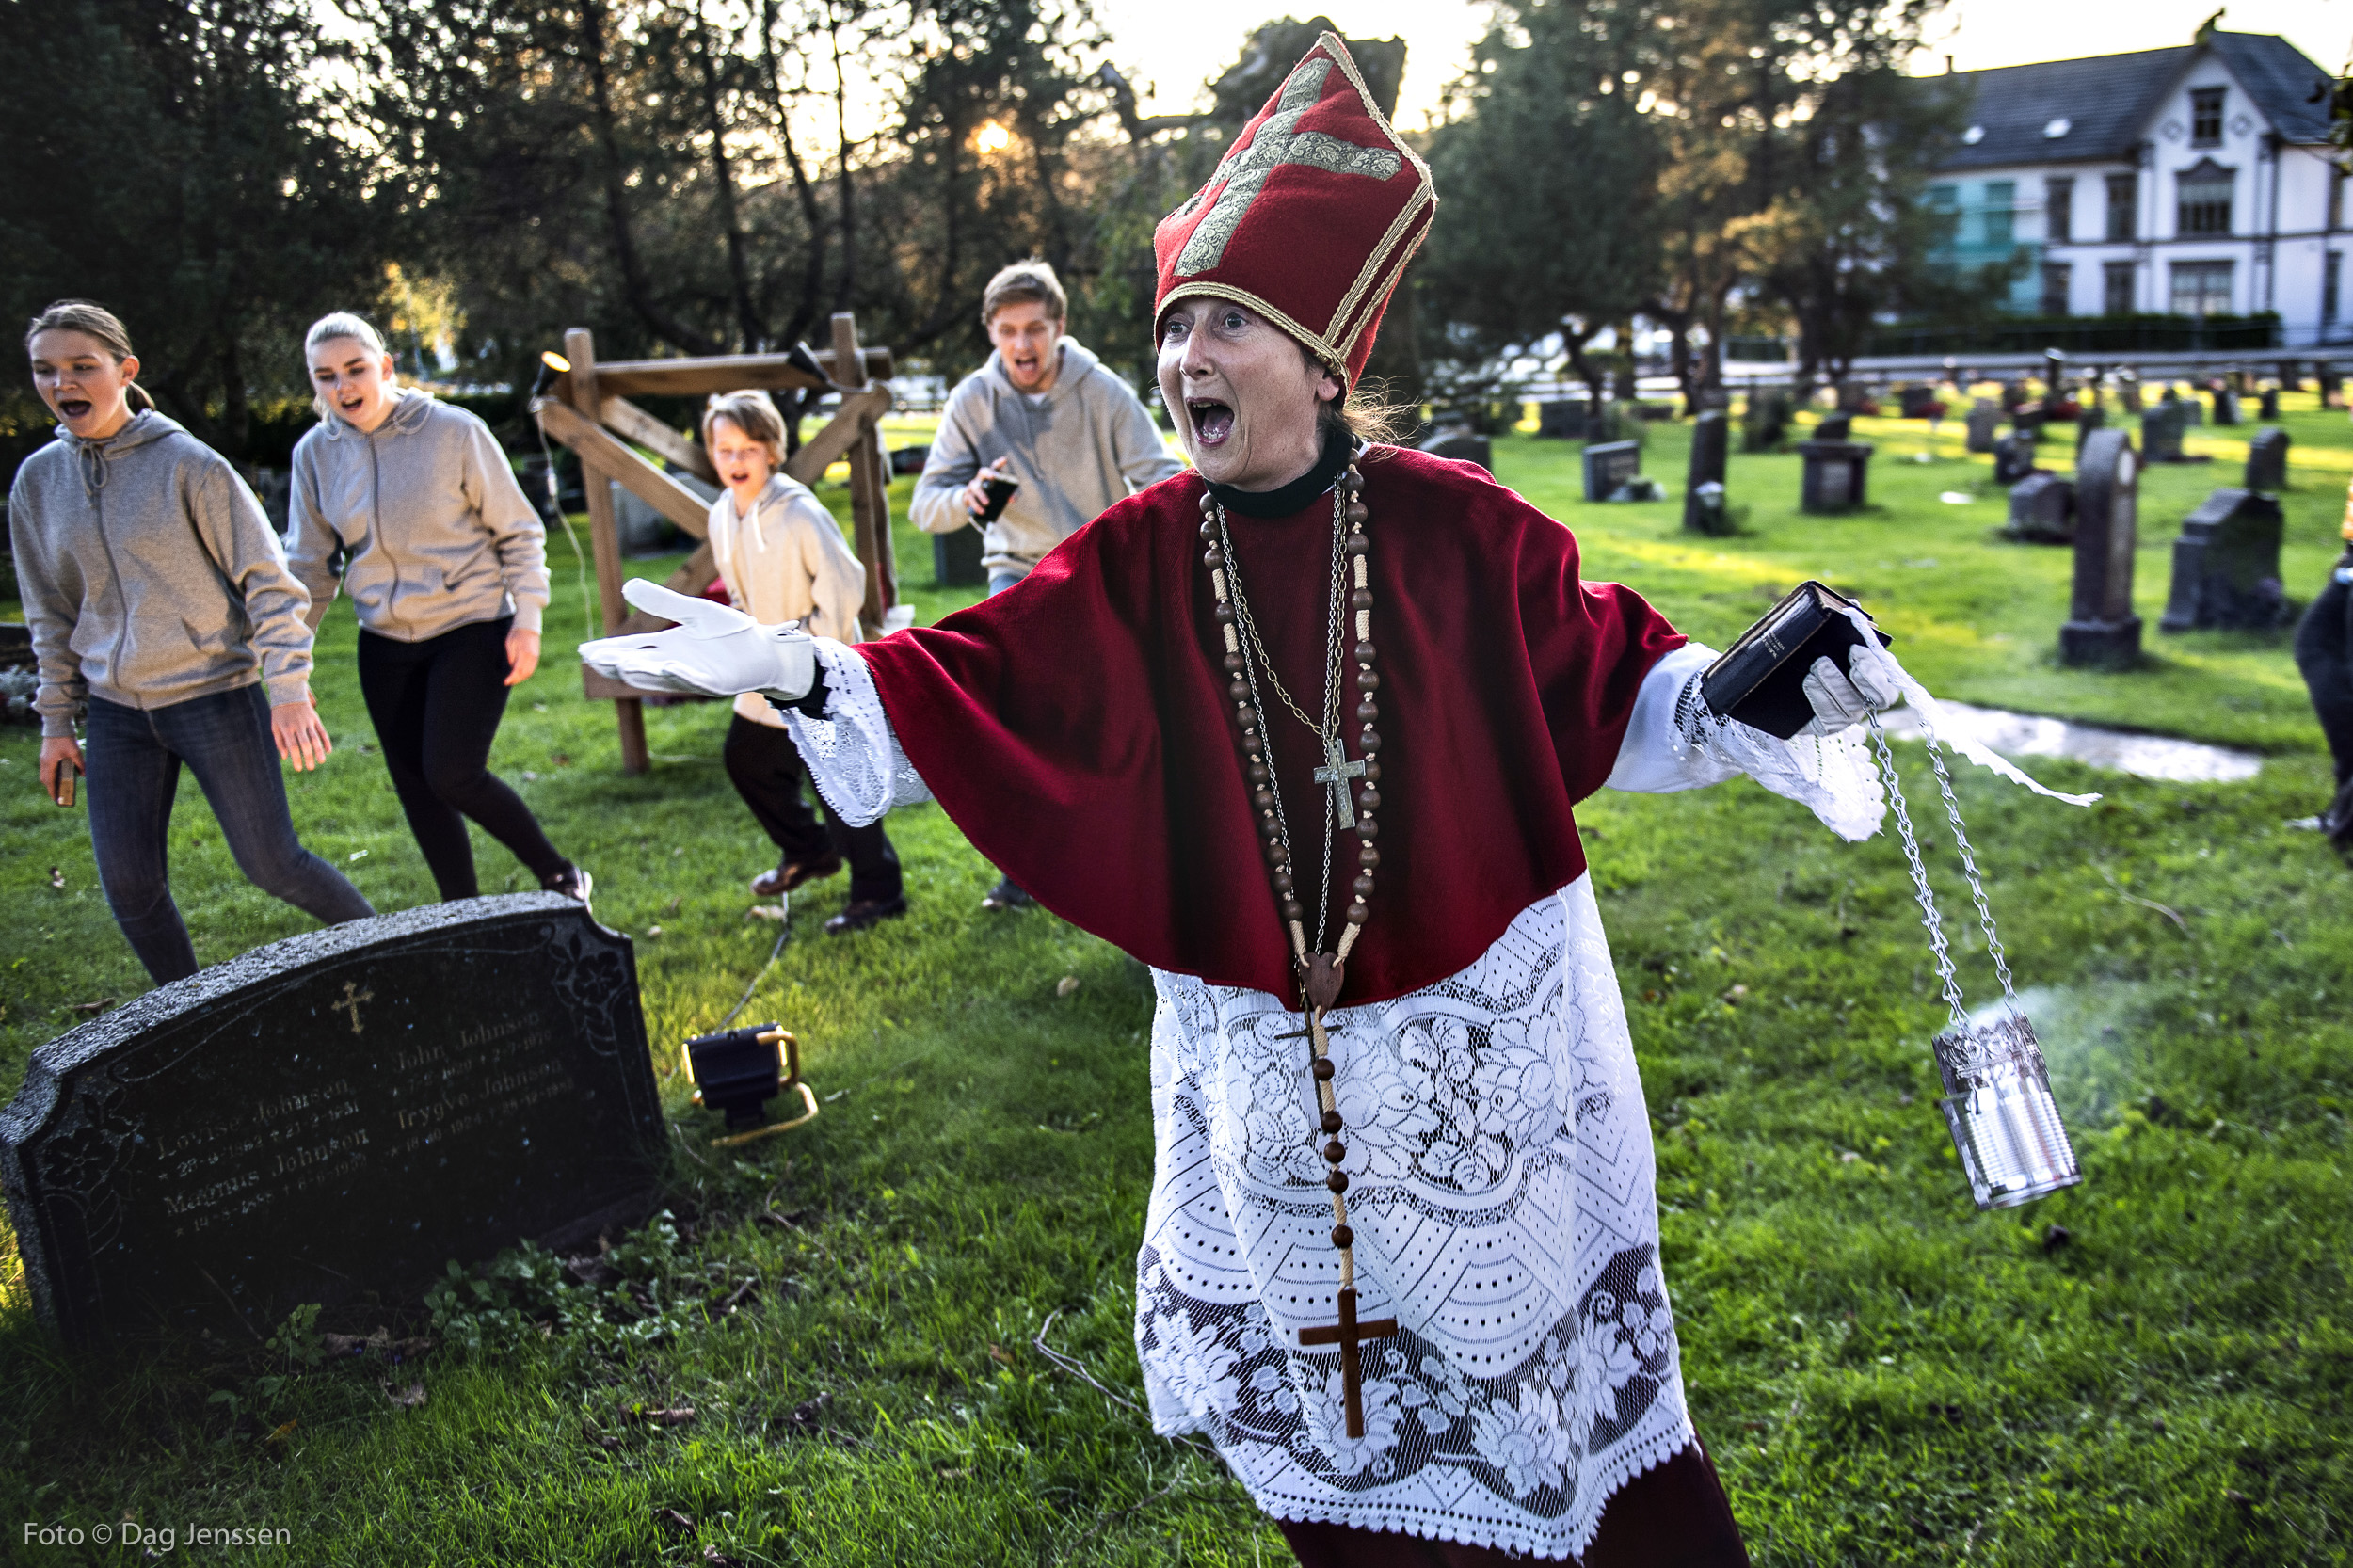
(1333, 358)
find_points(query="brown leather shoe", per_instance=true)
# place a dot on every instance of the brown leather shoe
(792, 874)
(861, 914)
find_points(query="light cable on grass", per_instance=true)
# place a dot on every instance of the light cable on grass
(784, 930)
(1077, 1368)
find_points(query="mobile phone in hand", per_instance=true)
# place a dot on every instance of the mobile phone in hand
(66, 774)
(1000, 490)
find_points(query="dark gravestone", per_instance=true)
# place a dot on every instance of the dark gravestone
(1915, 402)
(2226, 567)
(2267, 462)
(2225, 406)
(1463, 446)
(957, 558)
(2100, 630)
(2194, 411)
(2013, 458)
(1561, 420)
(2028, 422)
(1985, 415)
(2042, 510)
(1835, 475)
(1609, 465)
(2271, 414)
(2331, 389)
(2128, 394)
(333, 1118)
(2091, 419)
(1767, 419)
(909, 459)
(2013, 394)
(1710, 441)
(1837, 426)
(2161, 434)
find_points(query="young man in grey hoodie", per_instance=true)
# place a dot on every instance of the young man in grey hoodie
(163, 614)
(1045, 413)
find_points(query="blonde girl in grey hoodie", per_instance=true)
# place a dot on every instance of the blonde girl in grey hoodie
(163, 615)
(446, 563)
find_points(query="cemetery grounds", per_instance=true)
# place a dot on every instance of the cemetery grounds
(830, 1351)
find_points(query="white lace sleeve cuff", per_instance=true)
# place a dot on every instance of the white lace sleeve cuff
(1675, 742)
(852, 753)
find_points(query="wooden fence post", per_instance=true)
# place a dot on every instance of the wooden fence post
(579, 347)
(870, 479)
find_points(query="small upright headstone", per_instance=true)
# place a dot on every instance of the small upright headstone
(1609, 465)
(2331, 389)
(1835, 475)
(957, 558)
(2269, 412)
(2194, 411)
(335, 1114)
(1767, 419)
(2027, 422)
(2267, 462)
(1985, 416)
(1463, 446)
(2225, 406)
(2013, 458)
(1710, 441)
(2128, 394)
(2013, 394)
(1837, 426)
(2042, 510)
(2089, 419)
(2161, 434)
(1916, 402)
(2226, 567)
(1560, 418)
(2100, 630)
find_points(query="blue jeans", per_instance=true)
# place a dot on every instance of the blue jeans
(135, 760)
(999, 580)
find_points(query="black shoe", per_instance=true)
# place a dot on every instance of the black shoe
(573, 882)
(862, 913)
(1008, 895)
(792, 874)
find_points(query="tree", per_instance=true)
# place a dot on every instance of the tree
(168, 158)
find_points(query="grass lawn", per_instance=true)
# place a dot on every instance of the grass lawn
(2151, 1368)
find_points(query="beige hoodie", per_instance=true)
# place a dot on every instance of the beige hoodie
(786, 561)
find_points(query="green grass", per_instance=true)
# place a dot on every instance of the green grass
(1883, 1375)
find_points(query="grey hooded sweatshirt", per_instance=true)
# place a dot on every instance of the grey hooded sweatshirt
(151, 575)
(436, 533)
(1086, 443)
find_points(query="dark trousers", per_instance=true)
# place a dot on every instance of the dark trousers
(436, 705)
(135, 760)
(1672, 1516)
(2322, 652)
(765, 768)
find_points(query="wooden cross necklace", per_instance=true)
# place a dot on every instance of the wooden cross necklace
(1320, 973)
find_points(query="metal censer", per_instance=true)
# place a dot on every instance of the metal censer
(1997, 1091)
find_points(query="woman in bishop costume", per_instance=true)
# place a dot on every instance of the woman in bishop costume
(1304, 729)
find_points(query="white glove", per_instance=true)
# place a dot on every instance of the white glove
(713, 650)
(1842, 698)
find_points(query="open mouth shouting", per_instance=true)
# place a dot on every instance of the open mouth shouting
(73, 407)
(1212, 421)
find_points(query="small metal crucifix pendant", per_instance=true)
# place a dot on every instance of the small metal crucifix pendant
(1336, 772)
(1347, 1333)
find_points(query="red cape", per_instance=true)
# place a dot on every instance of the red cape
(1077, 729)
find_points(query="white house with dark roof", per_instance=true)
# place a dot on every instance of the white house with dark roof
(2197, 181)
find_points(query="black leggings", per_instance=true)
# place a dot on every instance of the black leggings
(436, 705)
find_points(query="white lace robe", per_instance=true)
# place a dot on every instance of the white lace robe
(1501, 1190)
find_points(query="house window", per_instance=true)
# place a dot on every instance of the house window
(2058, 209)
(2205, 117)
(2116, 288)
(2330, 266)
(2123, 204)
(2202, 288)
(2205, 199)
(2000, 221)
(2055, 277)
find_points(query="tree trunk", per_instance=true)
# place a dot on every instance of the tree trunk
(739, 272)
(633, 281)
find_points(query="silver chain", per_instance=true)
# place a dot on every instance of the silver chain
(1922, 893)
(1330, 730)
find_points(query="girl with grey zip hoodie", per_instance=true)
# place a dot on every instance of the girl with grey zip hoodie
(164, 617)
(446, 563)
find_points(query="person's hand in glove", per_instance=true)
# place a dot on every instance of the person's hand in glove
(1842, 698)
(713, 651)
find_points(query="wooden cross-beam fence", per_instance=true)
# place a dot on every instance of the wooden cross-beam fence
(589, 412)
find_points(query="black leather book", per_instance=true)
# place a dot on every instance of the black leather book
(1760, 679)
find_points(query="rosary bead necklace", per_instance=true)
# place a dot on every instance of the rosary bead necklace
(1319, 972)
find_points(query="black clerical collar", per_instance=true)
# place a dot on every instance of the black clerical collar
(1291, 499)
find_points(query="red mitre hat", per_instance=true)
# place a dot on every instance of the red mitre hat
(1311, 216)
